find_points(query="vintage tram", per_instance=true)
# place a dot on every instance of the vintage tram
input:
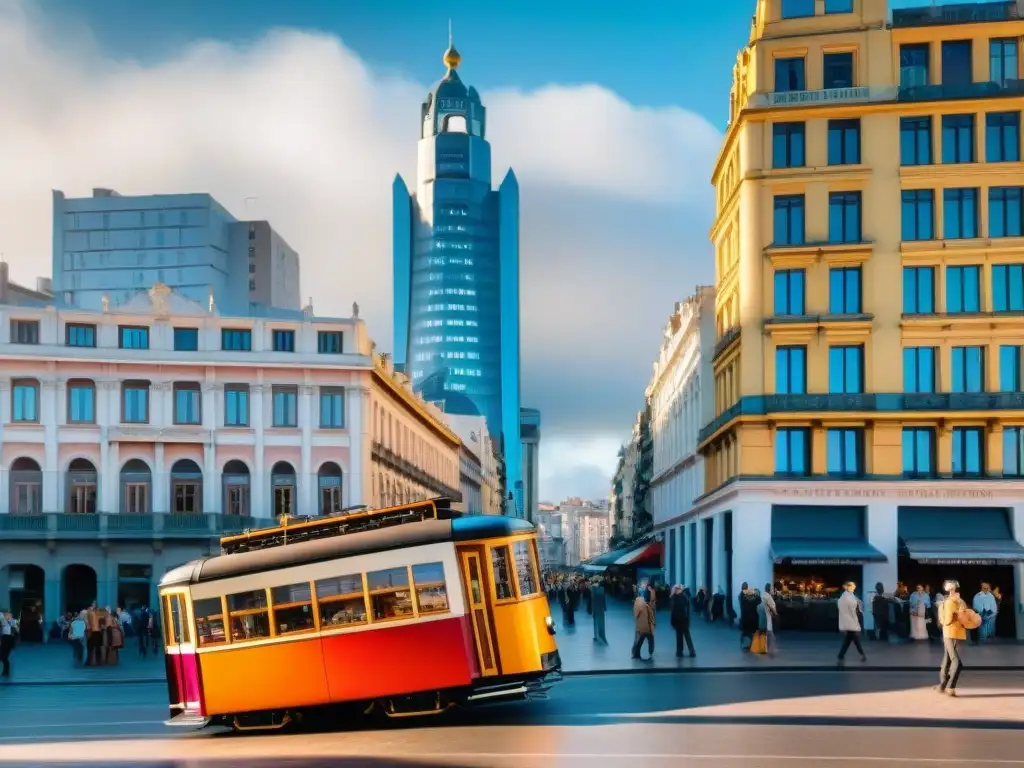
(408, 610)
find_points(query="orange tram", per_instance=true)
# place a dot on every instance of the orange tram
(408, 610)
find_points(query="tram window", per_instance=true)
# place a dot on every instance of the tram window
(502, 574)
(431, 596)
(341, 600)
(250, 618)
(525, 568)
(293, 608)
(175, 628)
(390, 597)
(209, 614)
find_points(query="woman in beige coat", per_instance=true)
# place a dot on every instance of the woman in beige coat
(643, 614)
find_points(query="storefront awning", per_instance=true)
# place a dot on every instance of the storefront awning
(964, 551)
(641, 554)
(824, 552)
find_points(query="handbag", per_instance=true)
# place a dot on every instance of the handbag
(969, 619)
(759, 644)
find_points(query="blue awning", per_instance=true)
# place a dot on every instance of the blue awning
(824, 552)
(958, 536)
(964, 551)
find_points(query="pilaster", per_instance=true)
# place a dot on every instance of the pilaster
(305, 479)
(258, 491)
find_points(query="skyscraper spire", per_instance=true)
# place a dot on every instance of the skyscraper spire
(451, 57)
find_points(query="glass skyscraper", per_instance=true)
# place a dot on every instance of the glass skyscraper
(456, 269)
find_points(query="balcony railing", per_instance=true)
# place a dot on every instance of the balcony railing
(416, 474)
(958, 13)
(91, 526)
(943, 91)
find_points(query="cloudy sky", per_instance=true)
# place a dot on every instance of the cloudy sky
(611, 122)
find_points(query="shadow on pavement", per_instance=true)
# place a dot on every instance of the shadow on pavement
(333, 762)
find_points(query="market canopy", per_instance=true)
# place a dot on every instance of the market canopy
(958, 536)
(634, 553)
(825, 552)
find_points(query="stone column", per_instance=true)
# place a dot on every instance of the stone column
(305, 504)
(51, 469)
(258, 489)
(359, 425)
(211, 477)
(5, 417)
(51, 600)
(161, 481)
(111, 479)
(883, 534)
(718, 564)
(751, 543)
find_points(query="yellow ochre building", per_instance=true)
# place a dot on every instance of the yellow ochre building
(869, 270)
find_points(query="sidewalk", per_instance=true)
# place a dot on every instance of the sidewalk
(718, 649)
(717, 646)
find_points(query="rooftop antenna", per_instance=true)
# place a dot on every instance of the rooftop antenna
(450, 40)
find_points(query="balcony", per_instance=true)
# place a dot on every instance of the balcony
(389, 458)
(854, 95)
(726, 341)
(944, 91)
(958, 13)
(121, 527)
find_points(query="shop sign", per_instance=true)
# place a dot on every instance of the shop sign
(957, 561)
(877, 493)
(826, 561)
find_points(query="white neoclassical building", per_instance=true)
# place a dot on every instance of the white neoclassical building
(133, 437)
(681, 397)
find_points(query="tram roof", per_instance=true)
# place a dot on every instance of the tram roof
(467, 528)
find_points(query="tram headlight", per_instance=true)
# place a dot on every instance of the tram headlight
(550, 624)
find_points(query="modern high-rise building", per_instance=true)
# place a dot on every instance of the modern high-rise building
(114, 246)
(869, 267)
(456, 270)
(527, 495)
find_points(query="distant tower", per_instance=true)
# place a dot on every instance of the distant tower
(456, 267)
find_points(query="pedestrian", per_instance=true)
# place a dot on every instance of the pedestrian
(597, 603)
(771, 613)
(880, 612)
(920, 604)
(850, 607)
(77, 636)
(6, 642)
(643, 614)
(679, 601)
(571, 602)
(748, 616)
(953, 634)
(985, 605)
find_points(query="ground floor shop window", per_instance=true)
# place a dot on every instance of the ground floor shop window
(808, 595)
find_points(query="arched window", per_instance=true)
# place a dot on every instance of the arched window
(235, 481)
(329, 488)
(186, 488)
(26, 487)
(282, 482)
(82, 484)
(136, 488)
(455, 124)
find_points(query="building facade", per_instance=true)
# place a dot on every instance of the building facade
(12, 293)
(681, 394)
(456, 269)
(551, 537)
(586, 530)
(131, 439)
(113, 246)
(483, 459)
(527, 497)
(868, 242)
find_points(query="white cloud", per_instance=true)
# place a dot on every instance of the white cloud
(615, 198)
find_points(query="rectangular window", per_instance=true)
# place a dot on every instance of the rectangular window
(236, 340)
(1009, 368)
(329, 342)
(526, 568)
(844, 452)
(960, 214)
(186, 339)
(796, 9)
(1006, 211)
(789, 292)
(919, 369)
(502, 573)
(81, 402)
(918, 214)
(1002, 137)
(844, 217)
(209, 613)
(332, 408)
(968, 451)
(791, 370)
(918, 452)
(293, 608)
(838, 6)
(843, 140)
(918, 290)
(390, 597)
(431, 594)
(250, 619)
(133, 337)
(236, 405)
(788, 145)
(1013, 452)
(188, 401)
(284, 341)
(24, 331)
(135, 402)
(79, 335)
(342, 601)
(25, 401)
(792, 452)
(789, 75)
(967, 369)
(956, 62)
(837, 72)
(915, 63)
(963, 289)
(789, 220)
(1003, 61)
(915, 141)
(846, 370)
(1008, 288)
(958, 139)
(285, 401)
(844, 291)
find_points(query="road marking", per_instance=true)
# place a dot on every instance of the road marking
(80, 725)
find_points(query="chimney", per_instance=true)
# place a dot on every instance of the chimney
(4, 278)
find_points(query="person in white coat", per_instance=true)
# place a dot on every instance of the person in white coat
(920, 605)
(985, 605)
(849, 621)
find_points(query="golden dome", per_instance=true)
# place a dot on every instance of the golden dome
(451, 57)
